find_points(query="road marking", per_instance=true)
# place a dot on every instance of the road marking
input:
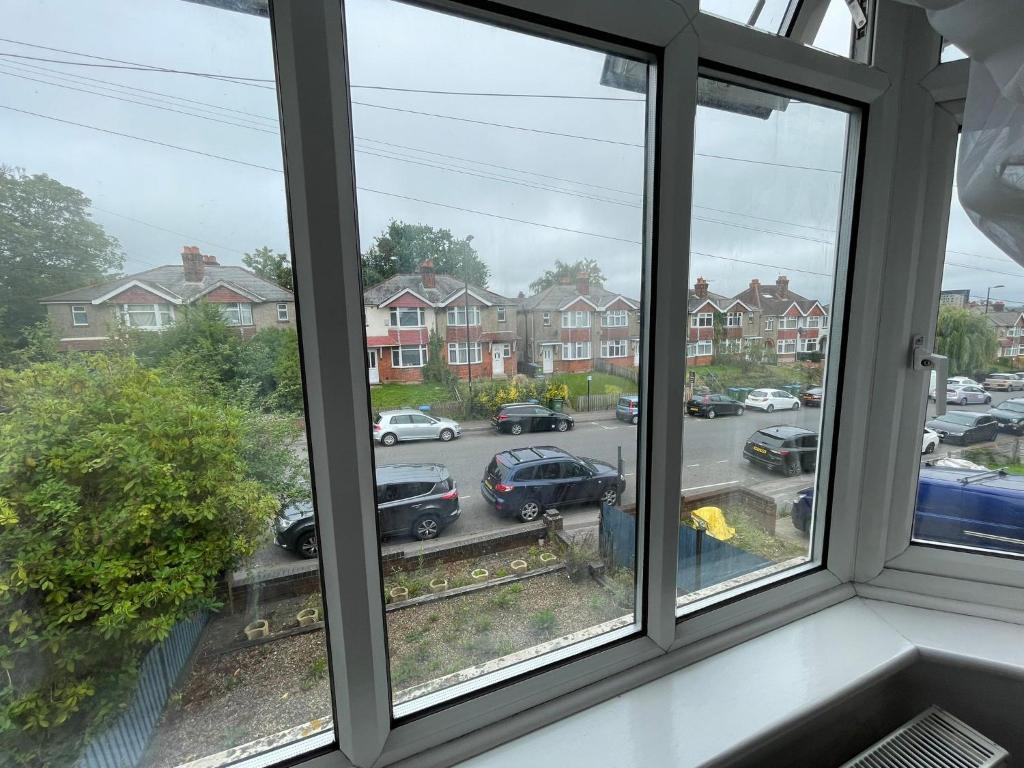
(723, 461)
(713, 485)
(464, 497)
(629, 474)
(691, 466)
(602, 426)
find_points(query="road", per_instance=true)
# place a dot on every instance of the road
(712, 454)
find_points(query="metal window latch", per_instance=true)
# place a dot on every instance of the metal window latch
(923, 359)
(860, 19)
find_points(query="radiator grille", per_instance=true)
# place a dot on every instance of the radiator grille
(933, 739)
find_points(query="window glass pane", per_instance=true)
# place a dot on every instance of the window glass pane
(971, 482)
(835, 34)
(767, 199)
(496, 153)
(766, 15)
(137, 542)
(951, 52)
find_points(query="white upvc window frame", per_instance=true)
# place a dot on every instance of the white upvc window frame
(702, 320)
(576, 350)
(79, 309)
(606, 348)
(458, 347)
(704, 348)
(734, 320)
(240, 309)
(546, 319)
(789, 323)
(576, 318)
(615, 318)
(159, 313)
(397, 351)
(501, 313)
(456, 315)
(320, 177)
(395, 317)
(769, 324)
(282, 312)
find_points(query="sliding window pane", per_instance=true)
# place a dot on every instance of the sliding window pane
(151, 407)
(767, 196)
(501, 192)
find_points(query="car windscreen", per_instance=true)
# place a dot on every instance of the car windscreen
(964, 419)
(1015, 407)
(772, 441)
(377, 419)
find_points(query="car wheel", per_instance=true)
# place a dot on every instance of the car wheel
(307, 545)
(930, 448)
(562, 425)
(635, 420)
(529, 511)
(988, 399)
(608, 495)
(389, 439)
(426, 527)
(963, 401)
(516, 429)
(770, 408)
(446, 435)
(711, 413)
(739, 411)
(796, 406)
(792, 470)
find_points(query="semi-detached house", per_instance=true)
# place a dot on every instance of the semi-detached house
(787, 323)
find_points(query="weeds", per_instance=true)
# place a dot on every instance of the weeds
(316, 672)
(543, 622)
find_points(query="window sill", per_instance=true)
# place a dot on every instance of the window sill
(743, 698)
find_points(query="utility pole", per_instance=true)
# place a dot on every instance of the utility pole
(465, 307)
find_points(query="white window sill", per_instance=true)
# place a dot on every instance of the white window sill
(732, 700)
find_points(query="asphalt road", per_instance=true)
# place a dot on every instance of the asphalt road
(712, 454)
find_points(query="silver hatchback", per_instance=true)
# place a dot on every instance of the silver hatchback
(967, 395)
(409, 424)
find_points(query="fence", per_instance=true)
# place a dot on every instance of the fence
(600, 402)
(453, 409)
(603, 366)
(123, 743)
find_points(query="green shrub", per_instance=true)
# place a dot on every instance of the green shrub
(544, 622)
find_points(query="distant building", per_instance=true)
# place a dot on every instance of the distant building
(960, 299)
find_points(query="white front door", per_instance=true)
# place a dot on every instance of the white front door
(547, 356)
(636, 354)
(373, 374)
(498, 360)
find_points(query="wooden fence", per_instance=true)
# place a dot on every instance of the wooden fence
(600, 402)
(124, 742)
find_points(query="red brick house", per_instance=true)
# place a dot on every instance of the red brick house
(785, 322)
(1009, 329)
(83, 318)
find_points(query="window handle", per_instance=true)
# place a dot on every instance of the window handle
(923, 359)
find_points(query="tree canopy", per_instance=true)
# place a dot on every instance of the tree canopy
(402, 247)
(565, 270)
(967, 339)
(275, 267)
(48, 244)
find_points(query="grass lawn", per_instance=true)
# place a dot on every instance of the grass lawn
(603, 384)
(384, 396)
(719, 377)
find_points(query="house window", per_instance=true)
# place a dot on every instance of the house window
(785, 346)
(79, 315)
(457, 315)
(408, 357)
(501, 314)
(734, 320)
(282, 313)
(506, 350)
(814, 321)
(705, 348)
(769, 324)
(147, 317)
(579, 350)
(407, 317)
(691, 350)
(616, 318)
(457, 352)
(576, 319)
(788, 323)
(824, 321)
(547, 318)
(808, 345)
(616, 348)
(236, 313)
(702, 320)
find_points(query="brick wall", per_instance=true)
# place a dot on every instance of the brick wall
(101, 319)
(389, 373)
(224, 295)
(573, 366)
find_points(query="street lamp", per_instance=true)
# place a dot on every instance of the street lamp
(988, 294)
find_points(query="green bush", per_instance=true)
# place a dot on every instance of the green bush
(124, 495)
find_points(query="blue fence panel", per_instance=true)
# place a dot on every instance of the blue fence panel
(617, 537)
(123, 743)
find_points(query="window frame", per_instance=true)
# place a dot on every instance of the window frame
(454, 346)
(395, 317)
(452, 315)
(615, 314)
(501, 312)
(422, 348)
(82, 309)
(316, 128)
(606, 345)
(157, 312)
(237, 307)
(282, 312)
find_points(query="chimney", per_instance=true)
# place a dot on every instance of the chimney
(700, 288)
(755, 286)
(210, 260)
(782, 286)
(521, 295)
(583, 283)
(192, 263)
(427, 274)
(998, 306)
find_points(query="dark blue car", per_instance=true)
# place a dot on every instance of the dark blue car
(966, 507)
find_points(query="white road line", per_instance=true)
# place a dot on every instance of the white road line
(602, 426)
(723, 461)
(702, 487)
(691, 466)
(628, 474)
(464, 497)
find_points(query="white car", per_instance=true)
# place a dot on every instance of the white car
(930, 441)
(967, 395)
(772, 400)
(953, 382)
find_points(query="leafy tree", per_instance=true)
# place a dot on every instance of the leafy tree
(402, 247)
(266, 361)
(124, 494)
(719, 336)
(436, 368)
(967, 339)
(48, 244)
(275, 267)
(566, 271)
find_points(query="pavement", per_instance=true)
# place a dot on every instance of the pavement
(712, 455)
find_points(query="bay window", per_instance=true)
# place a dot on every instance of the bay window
(408, 357)
(579, 350)
(734, 320)
(147, 317)
(702, 320)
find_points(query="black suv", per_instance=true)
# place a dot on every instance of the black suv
(420, 500)
(791, 450)
(517, 418)
(526, 481)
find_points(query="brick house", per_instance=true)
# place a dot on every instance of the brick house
(785, 322)
(1009, 329)
(701, 306)
(568, 326)
(402, 311)
(83, 318)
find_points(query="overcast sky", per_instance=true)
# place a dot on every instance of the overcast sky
(755, 219)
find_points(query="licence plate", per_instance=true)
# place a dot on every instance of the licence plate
(489, 484)
(693, 409)
(759, 449)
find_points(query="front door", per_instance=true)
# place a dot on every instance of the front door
(547, 356)
(371, 367)
(497, 361)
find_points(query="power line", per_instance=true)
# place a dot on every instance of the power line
(190, 238)
(496, 94)
(1002, 258)
(767, 231)
(762, 264)
(982, 269)
(767, 162)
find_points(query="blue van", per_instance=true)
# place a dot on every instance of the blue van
(965, 507)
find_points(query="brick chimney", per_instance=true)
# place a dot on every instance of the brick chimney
(782, 287)
(192, 263)
(998, 306)
(427, 274)
(755, 286)
(210, 260)
(583, 283)
(521, 295)
(700, 288)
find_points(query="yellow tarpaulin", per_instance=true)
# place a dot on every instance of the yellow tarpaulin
(717, 526)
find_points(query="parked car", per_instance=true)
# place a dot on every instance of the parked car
(930, 441)
(771, 400)
(420, 500)
(964, 427)
(812, 397)
(409, 424)
(524, 482)
(952, 381)
(791, 450)
(628, 409)
(711, 406)
(964, 395)
(1005, 382)
(966, 507)
(1010, 415)
(516, 418)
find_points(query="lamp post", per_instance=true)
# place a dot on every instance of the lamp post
(465, 307)
(988, 294)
